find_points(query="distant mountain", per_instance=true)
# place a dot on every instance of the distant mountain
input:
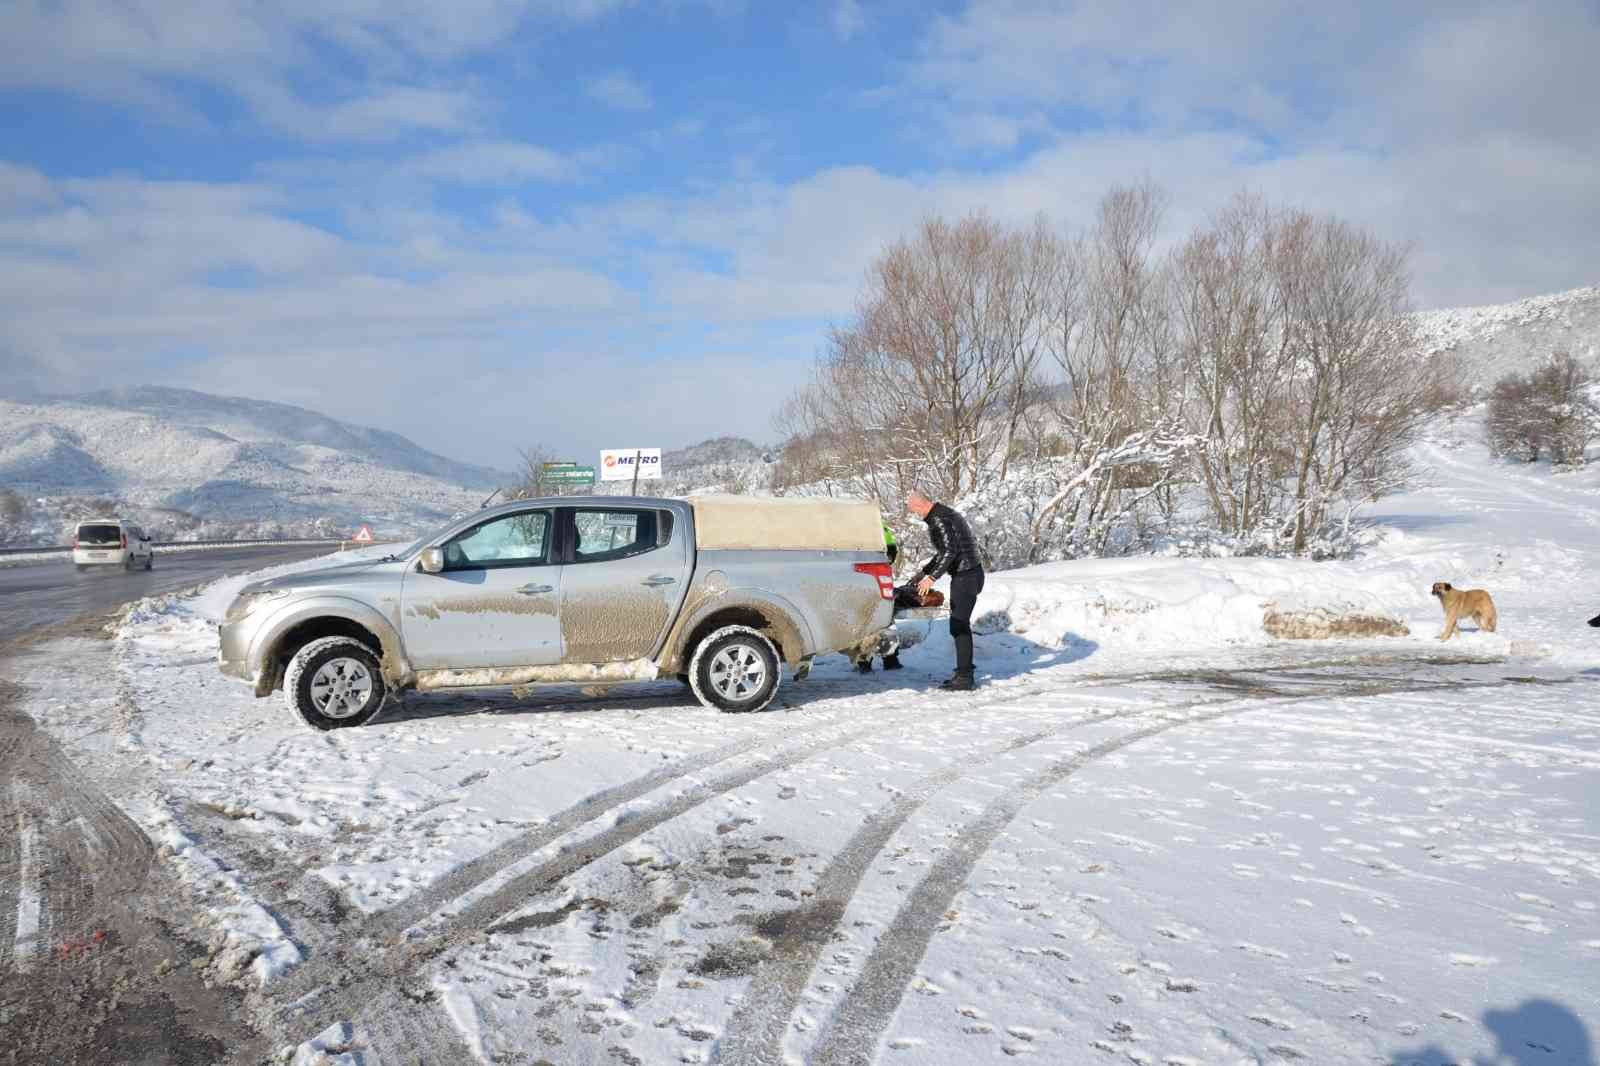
(258, 420)
(189, 464)
(1497, 339)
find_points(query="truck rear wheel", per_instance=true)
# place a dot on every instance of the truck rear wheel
(334, 682)
(735, 669)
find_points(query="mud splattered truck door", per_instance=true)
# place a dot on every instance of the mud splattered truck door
(624, 575)
(497, 601)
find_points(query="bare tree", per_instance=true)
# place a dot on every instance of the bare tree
(1512, 426)
(1110, 339)
(533, 476)
(1264, 369)
(1550, 411)
(921, 385)
(1236, 362)
(1571, 414)
(1358, 396)
(13, 513)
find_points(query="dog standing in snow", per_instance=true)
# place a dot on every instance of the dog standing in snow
(1471, 603)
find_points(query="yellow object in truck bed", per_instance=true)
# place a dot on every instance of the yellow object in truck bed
(760, 523)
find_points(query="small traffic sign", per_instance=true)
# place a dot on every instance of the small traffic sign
(363, 536)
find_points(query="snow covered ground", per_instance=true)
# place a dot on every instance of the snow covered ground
(1155, 835)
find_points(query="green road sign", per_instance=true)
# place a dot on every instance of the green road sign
(570, 475)
(564, 465)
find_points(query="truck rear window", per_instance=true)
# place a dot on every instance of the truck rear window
(99, 534)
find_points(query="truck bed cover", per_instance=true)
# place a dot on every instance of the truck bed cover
(805, 523)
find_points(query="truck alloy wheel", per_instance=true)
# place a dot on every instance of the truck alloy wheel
(736, 668)
(335, 682)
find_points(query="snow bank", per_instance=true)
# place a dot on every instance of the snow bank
(245, 936)
(1188, 604)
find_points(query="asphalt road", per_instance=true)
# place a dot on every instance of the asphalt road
(37, 595)
(97, 961)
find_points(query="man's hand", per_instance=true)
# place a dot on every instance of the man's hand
(924, 585)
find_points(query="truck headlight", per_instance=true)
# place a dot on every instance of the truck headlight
(248, 601)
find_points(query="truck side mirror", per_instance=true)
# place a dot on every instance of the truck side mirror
(432, 560)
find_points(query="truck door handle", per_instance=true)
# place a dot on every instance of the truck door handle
(534, 590)
(658, 580)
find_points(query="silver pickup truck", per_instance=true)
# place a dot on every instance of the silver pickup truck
(717, 591)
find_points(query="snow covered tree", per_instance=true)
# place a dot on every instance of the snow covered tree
(1301, 366)
(1551, 411)
(13, 516)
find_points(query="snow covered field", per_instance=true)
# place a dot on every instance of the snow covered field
(1155, 835)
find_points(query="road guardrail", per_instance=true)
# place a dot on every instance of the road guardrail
(180, 545)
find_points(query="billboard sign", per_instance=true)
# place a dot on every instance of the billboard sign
(617, 464)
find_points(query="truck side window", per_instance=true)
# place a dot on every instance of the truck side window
(599, 535)
(511, 540)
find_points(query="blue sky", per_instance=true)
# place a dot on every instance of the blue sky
(592, 222)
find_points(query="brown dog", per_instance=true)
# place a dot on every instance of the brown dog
(1472, 603)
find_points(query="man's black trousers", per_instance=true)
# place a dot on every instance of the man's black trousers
(964, 589)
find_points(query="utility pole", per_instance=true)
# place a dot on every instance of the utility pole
(637, 456)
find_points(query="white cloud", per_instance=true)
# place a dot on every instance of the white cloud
(619, 90)
(496, 163)
(148, 54)
(848, 19)
(22, 186)
(105, 280)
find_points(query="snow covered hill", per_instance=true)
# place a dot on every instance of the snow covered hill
(1501, 338)
(189, 464)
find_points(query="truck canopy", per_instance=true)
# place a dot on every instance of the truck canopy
(804, 523)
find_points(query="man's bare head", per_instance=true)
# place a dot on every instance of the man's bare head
(918, 504)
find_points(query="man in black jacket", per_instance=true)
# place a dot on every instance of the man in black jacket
(955, 552)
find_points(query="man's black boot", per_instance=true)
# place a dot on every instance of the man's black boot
(960, 682)
(891, 662)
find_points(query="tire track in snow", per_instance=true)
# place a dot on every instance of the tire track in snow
(851, 1036)
(377, 975)
(499, 889)
(755, 1032)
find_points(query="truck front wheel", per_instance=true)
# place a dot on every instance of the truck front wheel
(334, 682)
(735, 669)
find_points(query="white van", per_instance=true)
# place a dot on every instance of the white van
(111, 542)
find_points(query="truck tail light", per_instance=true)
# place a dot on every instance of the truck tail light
(124, 542)
(885, 575)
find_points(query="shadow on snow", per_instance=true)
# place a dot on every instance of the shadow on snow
(1538, 1031)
